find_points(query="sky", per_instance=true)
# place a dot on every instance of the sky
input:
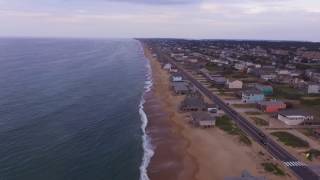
(192, 19)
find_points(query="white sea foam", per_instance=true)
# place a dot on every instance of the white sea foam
(147, 146)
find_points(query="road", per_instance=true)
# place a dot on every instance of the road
(300, 170)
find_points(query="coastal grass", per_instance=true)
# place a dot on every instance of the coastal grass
(290, 139)
(225, 124)
(310, 102)
(286, 92)
(253, 113)
(312, 153)
(259, 121)
(273, 168)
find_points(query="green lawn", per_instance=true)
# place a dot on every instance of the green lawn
(228, 126)
(259, 121)
(290, 139)
(310, 102)
(253, 113)
(244, 105)
(273, 168)
(312, 153)
(282, 91)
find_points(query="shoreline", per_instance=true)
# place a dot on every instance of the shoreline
(184, 152)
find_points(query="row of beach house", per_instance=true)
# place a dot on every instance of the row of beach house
(202, 114)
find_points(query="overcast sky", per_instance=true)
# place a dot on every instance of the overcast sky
(214, 19)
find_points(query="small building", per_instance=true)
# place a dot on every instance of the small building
(176, 77)
(245, 176)
(203, 119)
(212, 108)
(180, 88)
(167, 66)
(294, 117)
(218, 80)
(236, 84)
(313, 88)
(268, 77)
(265, 89)
(271, 106)
(252, 96)
(194, 102)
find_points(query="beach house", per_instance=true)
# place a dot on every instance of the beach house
(167, 66)
(271, 106)
(294, 117)
(203, 119)
(193, 102)
(251, 96)
(180, 88)
(218, 80)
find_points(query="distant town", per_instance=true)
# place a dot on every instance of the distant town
(269, 90)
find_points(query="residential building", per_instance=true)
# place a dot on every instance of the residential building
(167, 66)
(176, 77)
(252, 96)
(271, 106)
(268, 77)
(294, 117)
(203, 119)
(236, 84)
(265, 89)
(313, 88)
(193, 103)
(180, 88)
(218, 80)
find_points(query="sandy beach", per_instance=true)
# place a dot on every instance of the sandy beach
(188, 153)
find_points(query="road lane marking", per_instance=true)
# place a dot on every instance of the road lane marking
(294, 163)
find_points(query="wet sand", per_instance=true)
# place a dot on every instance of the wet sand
(188, 153)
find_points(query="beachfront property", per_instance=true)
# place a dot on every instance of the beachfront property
(193, 102)
(245, 176)
(294, 117)
(203, 119)
(271, 106)
(167, 66)
(236, 84)
(180, 88)
(176, 77)
(251, 96)
(265, 89)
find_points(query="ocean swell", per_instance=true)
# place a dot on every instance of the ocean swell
(146, 141)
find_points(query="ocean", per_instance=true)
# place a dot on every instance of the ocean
(72, 109)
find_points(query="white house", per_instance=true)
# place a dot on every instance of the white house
(294, 117)
(313, 89)
(167, 66)
(236, 84)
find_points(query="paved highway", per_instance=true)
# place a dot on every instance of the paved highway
(301, 171)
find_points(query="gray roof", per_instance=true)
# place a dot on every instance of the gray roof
(218, 79)
(251, 91)
(294, 112)
(180, 86)
(193, 101)
(202, 116)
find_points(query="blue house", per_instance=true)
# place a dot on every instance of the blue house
(252, 96)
